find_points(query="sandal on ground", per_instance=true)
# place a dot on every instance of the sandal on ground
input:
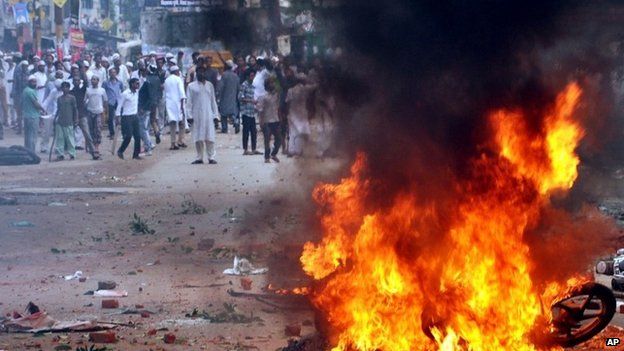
(183, 145)
(174, 147)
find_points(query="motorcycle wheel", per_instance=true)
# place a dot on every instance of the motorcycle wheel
(585, 312)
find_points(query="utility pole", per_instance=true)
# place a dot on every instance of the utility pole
(276, 18)
(37, 25)
(2, 24)
(58, 30)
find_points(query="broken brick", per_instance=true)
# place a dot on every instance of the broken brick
(145, 314)
(152, 332)
(106, 285)
(169, 338)
(110, 303)
(246, 283)
(138, 306)
(103, 338)
(293, 330)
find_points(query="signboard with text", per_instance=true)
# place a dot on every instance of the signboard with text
(76, 38)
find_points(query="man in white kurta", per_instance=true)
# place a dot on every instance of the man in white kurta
(174, 103)
(201, 106)
(298, 122)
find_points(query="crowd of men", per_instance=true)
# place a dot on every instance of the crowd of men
(68, 105)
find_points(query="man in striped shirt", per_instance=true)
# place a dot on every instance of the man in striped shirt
(248, 111)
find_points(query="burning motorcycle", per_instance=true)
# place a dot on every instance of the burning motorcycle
(576, 316)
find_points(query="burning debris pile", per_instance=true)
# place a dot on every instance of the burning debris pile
(442, 235)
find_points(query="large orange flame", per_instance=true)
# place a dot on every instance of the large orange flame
(390, 275)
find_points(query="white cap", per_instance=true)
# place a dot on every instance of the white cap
(174, 68)
(32, 77)
(75, 66)
(23, 62)
(8, 57)
(152, 53)
(129, 64)
(169, 55)
(104, 59)
(85, 63)
(116, 57)
(66, 58)
(230, 63)
(36, 57)
(41, 63)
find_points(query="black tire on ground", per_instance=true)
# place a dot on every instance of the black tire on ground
(608, 300)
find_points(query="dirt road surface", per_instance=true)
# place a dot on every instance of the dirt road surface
(81, 213)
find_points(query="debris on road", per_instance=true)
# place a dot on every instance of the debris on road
(246, 283)
(110, 304)
(22, 224)
(74, 276)
(230, 314)
(108, 293)
(242, 266)
(38, 321)
(8, 201)
(57, 204)
(103, 338)
(169, 338)
(17, 155)
(106, 285)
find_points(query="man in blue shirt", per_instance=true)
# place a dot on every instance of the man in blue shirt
(114, 88)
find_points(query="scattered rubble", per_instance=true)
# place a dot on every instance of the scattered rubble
(110, 304)
(242, 266)
(103, 338)
(246, 283)
(169, 338)
(106, 285)
(38, 321)
(230, 314)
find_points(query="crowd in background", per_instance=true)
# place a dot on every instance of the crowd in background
(71, 105)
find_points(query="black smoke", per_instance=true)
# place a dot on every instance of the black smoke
(420, 77)
(424, 74)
